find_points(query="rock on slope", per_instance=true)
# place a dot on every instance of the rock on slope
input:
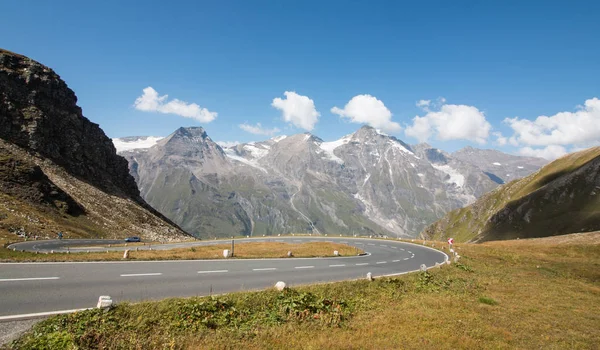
(58, 170)
(562, 197)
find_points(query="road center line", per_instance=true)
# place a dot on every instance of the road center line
(381, 262)
(141, 274)
(383, 245)
(215, 271)
(303, 267)
(28, 279)
(395, 260)
(339, 265)
(406, 258)
(362, 264)
(370, 244)
(265, 269)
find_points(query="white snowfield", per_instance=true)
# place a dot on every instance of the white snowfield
(455, 176)
(142, 142)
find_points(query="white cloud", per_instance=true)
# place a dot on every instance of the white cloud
(150, 101)
(227, 144)
(367, 109)
(450, 122)
(550, 152)
(298, 110)
(501, 140)
(258, 129)
(423, 103)
(565, 128)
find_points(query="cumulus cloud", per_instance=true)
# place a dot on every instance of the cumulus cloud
(550, 136)
(578, 128)
(258, 129)
(501, 140)
(298, 110)
(450, 122)
(367, 109)
(423, 103)
(549, 152)
(227, 144)
(150, 101)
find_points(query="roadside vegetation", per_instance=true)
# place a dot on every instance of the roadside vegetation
(513, 294)
(242, 251)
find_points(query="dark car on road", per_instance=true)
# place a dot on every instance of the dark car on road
(133, 239)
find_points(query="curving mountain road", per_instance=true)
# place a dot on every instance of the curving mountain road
(29, 288)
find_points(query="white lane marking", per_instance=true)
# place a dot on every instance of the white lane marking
(303, 267)
(383, 245)
(406, 258)
(362, 264)
(409, 252)
(394, 247)
(343, 241)
(39, 314)
(215, 271)
(412, 256)
(402, 249)
(370, 244)
(265, 269)
(141, 274)
(339, 265)
(381, 262)
(28, 279)
(395, 260)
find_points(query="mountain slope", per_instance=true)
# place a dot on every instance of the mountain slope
(364, 183)
(58, 170)
(562, 197)
(501, 167)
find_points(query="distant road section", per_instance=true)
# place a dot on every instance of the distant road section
(32, 288)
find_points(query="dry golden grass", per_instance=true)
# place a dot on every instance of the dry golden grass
(242, 251)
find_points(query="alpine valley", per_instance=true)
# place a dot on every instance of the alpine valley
(366, 183)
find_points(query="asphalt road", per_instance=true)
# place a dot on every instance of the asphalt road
(29, 288)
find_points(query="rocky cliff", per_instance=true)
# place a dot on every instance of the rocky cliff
(58, 170)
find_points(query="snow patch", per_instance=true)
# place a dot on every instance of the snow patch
(496, 163)
(256, 152)
(279, 138)
(420, 175)
(455, 176)
(230, 153)
(520, 167)
(142, 142)
(397, 145)
(328, 147)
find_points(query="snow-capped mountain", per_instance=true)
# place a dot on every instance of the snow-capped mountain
(364, 183)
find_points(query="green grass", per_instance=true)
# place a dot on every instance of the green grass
(512, 294)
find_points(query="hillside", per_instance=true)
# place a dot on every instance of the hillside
(560, 198)
(58, 170)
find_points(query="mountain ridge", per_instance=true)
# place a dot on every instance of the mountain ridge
(364, 183)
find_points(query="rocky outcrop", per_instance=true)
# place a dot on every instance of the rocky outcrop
(39, 112)
(58, 170)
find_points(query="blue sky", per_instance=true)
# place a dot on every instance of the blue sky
(478, 63)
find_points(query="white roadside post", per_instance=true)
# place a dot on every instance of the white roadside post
(104, 302)
(280, 285)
